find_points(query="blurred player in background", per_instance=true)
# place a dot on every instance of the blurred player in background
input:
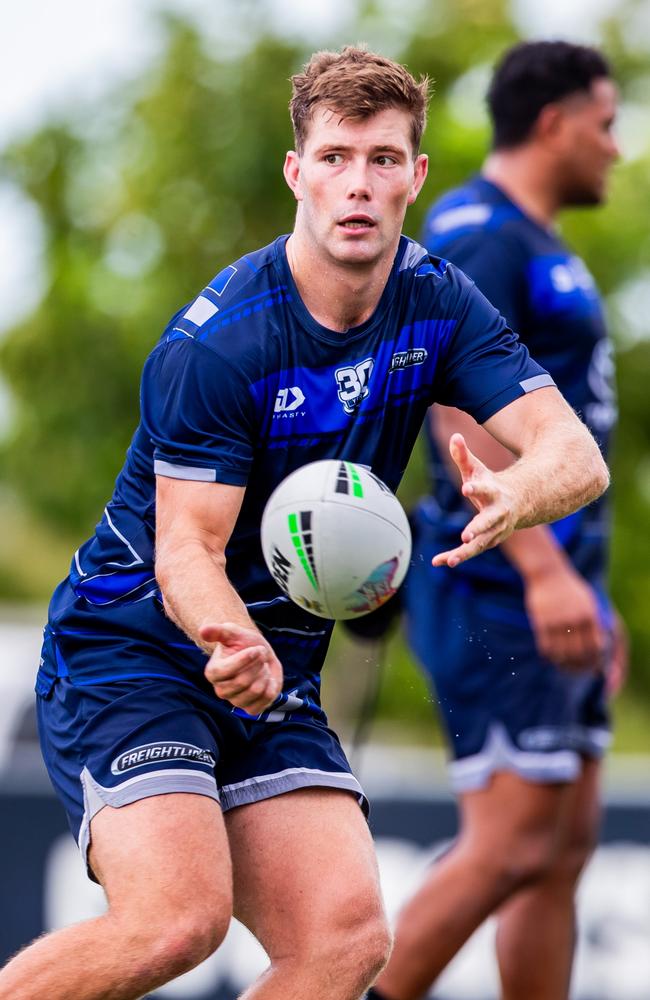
(178, 702)
(521, 643)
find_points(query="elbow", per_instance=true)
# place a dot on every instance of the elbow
(601, 477)
(176, 558)
(598, 475)
(162, 570)
(163, 576)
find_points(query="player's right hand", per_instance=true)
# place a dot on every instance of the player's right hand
(243, 669)
(565, 618)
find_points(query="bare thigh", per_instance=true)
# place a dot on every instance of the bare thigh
(528, 827)
(164, 855)
(511, 806)
(581, 822)
(304, 866)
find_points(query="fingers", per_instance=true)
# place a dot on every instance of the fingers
(453, 557)
(227, 633)
(579, 646)
(252, 690)
(468, 464)
(224, 667)
(461, 455)
(487, 529)
(250, 678)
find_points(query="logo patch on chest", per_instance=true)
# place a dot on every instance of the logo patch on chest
(352, 382)
(288, 400)
(408, 359)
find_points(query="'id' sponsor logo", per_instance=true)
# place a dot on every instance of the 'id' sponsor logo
(408, 359)
(166, 750)
(288, 401)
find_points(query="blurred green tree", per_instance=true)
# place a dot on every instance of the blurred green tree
(140, 210)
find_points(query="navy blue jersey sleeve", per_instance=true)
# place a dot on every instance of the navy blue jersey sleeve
(196, 409)
(485, 366)
(495, 263)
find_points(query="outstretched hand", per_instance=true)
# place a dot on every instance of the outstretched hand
(243, 668)
(496, 518)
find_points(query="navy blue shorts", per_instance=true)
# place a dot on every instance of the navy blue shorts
(113, 744)
(504, 707)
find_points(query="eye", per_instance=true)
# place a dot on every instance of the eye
(384, 160)
(334, 158)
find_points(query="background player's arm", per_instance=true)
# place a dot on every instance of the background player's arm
(194, 521)
(558, 468)
(561, 606)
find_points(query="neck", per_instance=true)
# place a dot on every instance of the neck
(525, 176)
(338, 295)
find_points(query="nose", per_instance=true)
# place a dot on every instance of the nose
(359, 186)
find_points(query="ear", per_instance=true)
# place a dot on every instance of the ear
(420, 170)
(550, 122)
(291, 172)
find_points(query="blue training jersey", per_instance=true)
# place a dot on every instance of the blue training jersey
(548, 296)
(244, 387)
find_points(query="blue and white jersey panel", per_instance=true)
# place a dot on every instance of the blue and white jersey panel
(245, 386)
(549, 298)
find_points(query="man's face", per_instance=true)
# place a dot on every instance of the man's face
(353, 183)
(588, 147)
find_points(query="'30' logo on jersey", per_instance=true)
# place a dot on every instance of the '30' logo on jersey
(353, 383)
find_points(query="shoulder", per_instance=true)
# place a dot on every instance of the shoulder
(238, 295)
(471, 216)
(430, 278)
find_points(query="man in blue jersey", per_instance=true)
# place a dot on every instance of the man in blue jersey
(179, 700)
(518, 641)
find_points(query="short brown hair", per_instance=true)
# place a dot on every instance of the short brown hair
(356, 83)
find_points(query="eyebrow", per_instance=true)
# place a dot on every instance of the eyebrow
(334, 147)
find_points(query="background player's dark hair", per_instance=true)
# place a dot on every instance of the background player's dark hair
(532, 75)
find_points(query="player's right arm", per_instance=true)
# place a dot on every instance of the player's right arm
(561, 606)
(194, 521)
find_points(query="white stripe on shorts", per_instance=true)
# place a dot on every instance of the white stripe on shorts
(141, 786)
(265, 786)
(500, 754)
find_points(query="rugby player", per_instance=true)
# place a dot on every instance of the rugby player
(179, 687)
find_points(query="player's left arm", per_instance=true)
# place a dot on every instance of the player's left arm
(558, 469)
(562, 607)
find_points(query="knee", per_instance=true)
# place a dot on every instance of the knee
(168, 945)
(360, 950)
(528, 859)
(371, 948)
(187, 943)
(573, 855)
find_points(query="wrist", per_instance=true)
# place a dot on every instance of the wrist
(536, 554)
(543, 568)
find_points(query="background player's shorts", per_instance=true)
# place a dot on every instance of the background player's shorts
(116, 743)
(504, 707)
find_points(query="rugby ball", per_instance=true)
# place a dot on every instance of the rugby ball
(336, 539)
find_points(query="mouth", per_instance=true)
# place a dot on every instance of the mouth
(357, 223)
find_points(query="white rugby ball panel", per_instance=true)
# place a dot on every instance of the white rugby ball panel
(336, 539)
